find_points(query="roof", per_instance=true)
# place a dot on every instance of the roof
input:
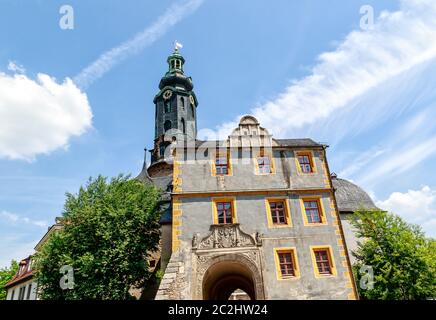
(351, 197)
(24, 272)
(306, 142)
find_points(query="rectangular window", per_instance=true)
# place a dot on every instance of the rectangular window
(221, 164)
(278, 213)
(12, 294)
(323, 261)
(264, 164)
(312, 211)
(29, 290)
(224, 211)
(286, 263)
(305, 163)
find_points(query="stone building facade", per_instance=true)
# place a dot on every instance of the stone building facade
(250, 216)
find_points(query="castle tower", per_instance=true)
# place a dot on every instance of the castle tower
(176, 104)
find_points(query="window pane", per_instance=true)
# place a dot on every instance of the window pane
(286, 264)
(224, 211)
(277, 209)
(312, 211)
(323, 261)
(305, 164)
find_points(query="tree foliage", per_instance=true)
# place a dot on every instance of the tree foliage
(402, 258)
(109, 230)
(6, 275)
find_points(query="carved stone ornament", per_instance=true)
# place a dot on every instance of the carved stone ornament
(226, 236)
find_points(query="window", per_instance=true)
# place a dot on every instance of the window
(264, 164)
(182, 103)
(167, 107)
(221, 164)
(12, 294)
(304, 162)
(312, 211)
(224, 211)
(286, 263)
(192, 110)
(21, 293)
(323, 261)
(29, 290)
(278, 214)
(167, 125)
(183, 126)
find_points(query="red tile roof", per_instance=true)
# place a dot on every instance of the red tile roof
(23, 273)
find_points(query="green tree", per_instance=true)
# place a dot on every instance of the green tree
(109, 230)
(402, 258)
(6, 275)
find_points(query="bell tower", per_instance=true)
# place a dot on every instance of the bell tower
(175, 107)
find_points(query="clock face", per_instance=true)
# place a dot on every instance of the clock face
(167, 94)
(191, 99)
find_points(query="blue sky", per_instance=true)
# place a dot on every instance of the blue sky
(304, 69)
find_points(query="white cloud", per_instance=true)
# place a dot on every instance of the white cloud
(398, 42)
(15, 218)
(15, 67)
(39, 116)
(109, 59)
(415, 206)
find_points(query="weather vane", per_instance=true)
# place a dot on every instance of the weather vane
(177, 45)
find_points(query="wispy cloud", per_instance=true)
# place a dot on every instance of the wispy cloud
(400, 161)
(109, 59)
(15, 219)
(398, 41)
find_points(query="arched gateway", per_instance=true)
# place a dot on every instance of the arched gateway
(226, 260)
(229, 272)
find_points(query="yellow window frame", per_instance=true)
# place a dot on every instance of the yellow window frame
(263, 153)
(322, 214)
(311, 156)
(214, 155)
(271, 224)
(295, 264)
(232, 201)
(329, 250)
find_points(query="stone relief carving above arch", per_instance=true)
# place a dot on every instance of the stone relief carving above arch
(226, 236)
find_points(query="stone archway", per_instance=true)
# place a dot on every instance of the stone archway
(225, 273)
